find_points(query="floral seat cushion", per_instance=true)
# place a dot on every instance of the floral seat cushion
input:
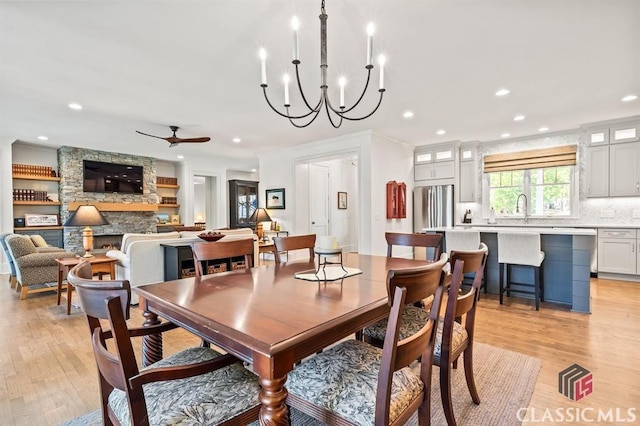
(413, 319)
(460, 336)
(205, 399)
(344, 380)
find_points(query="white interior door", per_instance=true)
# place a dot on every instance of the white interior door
(319, 199)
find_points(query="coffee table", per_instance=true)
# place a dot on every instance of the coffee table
(100, 264)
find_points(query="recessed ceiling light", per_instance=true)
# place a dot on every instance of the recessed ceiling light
(237, 140)
(543, 129)
(254, 170)
(629, 98)
(180, 157)
(408, 114)
(75, 106)
(505, 135)
(441, 132)
(43, 138)
(503, 92)
(518, 117)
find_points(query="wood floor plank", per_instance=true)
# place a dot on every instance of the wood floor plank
(48, 373)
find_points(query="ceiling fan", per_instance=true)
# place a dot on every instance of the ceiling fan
(174, 140)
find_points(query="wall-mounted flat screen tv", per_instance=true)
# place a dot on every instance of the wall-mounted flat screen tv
(112, 177)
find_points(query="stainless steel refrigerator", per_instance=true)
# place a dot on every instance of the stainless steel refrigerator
(432, 207)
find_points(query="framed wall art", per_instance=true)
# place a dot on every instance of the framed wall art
(275, 198)
(342, 200)
(41, 220)
(175, 219)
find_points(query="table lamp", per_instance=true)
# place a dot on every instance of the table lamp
(87, 215)
(260, 215)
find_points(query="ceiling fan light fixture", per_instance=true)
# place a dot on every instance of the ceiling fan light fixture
(335, 115)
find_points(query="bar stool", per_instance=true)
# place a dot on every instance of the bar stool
(521, 249)
(465, 240)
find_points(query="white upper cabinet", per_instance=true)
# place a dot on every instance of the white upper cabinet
(598, 137)
(624, 169)
(436, 162)
(467, 187)
(597, 171)
(624, 133)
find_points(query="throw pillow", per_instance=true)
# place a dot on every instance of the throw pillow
(38, 241)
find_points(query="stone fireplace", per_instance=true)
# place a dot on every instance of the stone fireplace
(129, 219)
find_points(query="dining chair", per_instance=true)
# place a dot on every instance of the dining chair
(216, 250)
(197, 385)
(297, 242)
(464, 239)
(336, 386)
(431, 242)
(413, 317)
(455, 334)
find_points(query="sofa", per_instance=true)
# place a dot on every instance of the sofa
(140, 259)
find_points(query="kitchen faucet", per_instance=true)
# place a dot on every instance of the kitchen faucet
(526, 207)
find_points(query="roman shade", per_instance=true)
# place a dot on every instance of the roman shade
(534, 159)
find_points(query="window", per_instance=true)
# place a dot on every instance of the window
(549, 191)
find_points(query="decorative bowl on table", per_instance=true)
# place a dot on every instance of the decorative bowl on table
(213, 236)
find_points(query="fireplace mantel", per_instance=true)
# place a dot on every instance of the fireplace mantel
(116, 207)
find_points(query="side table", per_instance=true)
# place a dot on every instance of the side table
(100, 264)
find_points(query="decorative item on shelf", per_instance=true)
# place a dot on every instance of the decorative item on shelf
(41, 219)
(161, 180)
(175, 219)
(260, 215)
(162, 218)
(323, 102)
(342, 200)
(275, 198)
(396, 200)
(169, 200)
(31, 170)
(87, 216)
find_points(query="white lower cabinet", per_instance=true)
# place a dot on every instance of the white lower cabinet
(618, 251)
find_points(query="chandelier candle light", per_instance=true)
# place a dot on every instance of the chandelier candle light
(313, 111)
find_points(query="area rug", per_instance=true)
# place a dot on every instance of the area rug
(505, 381)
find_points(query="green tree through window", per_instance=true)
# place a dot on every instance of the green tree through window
(548, 191)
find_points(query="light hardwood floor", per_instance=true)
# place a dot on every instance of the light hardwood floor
(47, 371)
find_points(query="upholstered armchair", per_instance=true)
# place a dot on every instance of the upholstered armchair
(34, 270)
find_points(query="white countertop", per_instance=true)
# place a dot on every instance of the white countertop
(530, 228)
(543, 225)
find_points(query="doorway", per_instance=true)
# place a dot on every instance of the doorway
(318, 182)
(204, 201)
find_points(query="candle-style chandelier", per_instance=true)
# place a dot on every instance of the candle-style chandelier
(340, 113)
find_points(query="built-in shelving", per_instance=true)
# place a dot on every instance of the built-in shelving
(37, 203)
(39, 228)
(30, 177)
(172, 206)
(163, 185)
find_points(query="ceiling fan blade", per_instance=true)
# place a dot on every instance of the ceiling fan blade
(153, 136)
(196, 140)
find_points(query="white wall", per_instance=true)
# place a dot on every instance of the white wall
(6, 195)
(380, 160)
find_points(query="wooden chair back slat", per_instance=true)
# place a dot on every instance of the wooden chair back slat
(203, 251)
(297, 242)
(108, 364)
(420, 282)
(428, 241)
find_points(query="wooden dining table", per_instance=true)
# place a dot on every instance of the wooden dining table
(266, 316)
